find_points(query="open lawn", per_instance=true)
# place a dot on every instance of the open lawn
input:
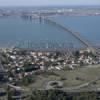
(69, 78)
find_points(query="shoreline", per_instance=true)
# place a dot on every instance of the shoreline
(50, 11)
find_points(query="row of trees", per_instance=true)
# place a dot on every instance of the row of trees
(60, 95)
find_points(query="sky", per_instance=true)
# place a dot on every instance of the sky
(47, 2)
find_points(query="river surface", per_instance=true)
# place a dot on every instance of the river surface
(87, 26)
(16, 30)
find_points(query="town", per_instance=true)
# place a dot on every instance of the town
(48, 68)
(20, 67)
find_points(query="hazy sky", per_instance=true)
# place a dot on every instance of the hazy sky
(48, 2)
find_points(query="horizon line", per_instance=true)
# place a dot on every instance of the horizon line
(47, 5)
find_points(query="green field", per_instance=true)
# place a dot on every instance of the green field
(70, 78)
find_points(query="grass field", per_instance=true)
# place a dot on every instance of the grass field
(69, 78)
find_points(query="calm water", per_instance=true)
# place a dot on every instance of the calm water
(87, 26)
(14, 30)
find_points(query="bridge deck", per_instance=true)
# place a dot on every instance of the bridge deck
(76, 35)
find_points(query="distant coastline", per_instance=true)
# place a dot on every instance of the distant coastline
(53, 12)
(50, 10)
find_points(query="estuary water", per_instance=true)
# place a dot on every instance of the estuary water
(16, 30)
(87, 26)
